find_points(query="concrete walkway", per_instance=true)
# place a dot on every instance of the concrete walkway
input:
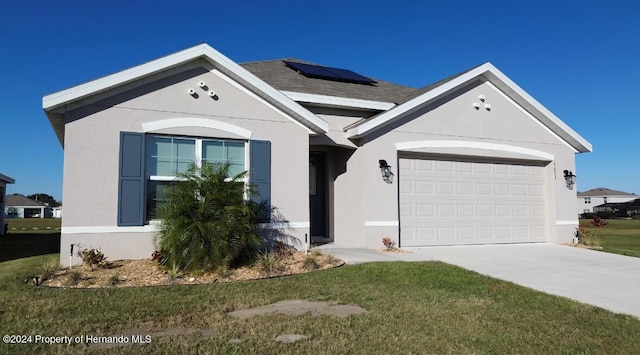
(601, 279)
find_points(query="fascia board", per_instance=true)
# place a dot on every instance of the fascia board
(565, 131)
(337, 101)
(6, 179)
(77, 92)
(394, 113)
(493, 75)
(52, 101)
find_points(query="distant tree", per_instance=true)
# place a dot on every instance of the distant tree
(44, 198)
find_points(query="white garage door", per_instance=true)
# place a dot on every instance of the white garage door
(445, 202)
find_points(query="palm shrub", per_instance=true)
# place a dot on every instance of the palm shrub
(206, 221)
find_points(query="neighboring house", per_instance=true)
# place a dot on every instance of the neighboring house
(340, 157)
(4, 180)
(56, 212)
(601, 195)
(620, 209)
(19, 206)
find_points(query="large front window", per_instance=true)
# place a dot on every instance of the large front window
(167, 157)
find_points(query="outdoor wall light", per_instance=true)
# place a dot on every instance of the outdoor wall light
(570, 179)
(385, 170)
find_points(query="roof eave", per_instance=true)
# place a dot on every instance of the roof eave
(58, 99)
(7, 179)
(492, 74)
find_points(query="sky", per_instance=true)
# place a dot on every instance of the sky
(580, 59)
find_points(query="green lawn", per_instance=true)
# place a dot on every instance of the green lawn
(33, 225)
(620, 236)
(419, 308)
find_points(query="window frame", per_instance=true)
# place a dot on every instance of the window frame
(198, 159)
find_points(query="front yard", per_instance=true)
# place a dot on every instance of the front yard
(427, 307)
(620, 236)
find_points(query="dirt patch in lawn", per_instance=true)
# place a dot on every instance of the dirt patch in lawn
(128, 273)
(299, 307)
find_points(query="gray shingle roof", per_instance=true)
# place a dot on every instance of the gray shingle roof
(21, 200)
(277, 74)
(603, 191)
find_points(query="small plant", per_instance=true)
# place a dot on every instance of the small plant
(74, 278)
(158, 256)
(388, 243)
(282, 250)
(115, 280)
(174, 273)
(310, 263)
(49, 268)
(92, 257)
(587, 238)
(596, 221)
(268, 263)
(330, 259)
(225, 271)
(315, 253)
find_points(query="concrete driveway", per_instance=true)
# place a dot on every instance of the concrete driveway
(601, 279)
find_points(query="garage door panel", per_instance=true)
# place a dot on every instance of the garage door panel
(470, 203)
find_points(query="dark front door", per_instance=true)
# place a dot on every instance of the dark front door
(317, 194)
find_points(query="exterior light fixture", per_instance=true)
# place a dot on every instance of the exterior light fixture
(570, 179)
(385, 170)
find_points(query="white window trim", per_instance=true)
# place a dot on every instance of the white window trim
(199, 159)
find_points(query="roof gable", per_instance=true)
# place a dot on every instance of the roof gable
(52, 102)
(22, 201)
(485, 72)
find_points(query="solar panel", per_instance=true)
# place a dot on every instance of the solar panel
(320, 72)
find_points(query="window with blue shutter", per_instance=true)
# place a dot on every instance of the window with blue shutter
(131, 182)
(260, 175)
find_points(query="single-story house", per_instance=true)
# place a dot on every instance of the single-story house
(599, 196)
(4, 180)
(339, 156)
(20, 206)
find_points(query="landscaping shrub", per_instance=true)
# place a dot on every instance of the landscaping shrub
(92, 257)
(598, 222)
(206, 222)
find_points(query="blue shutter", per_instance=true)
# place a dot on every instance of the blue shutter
(260, 175)
(131, 181)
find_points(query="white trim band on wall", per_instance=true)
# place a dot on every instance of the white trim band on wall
(196, 122)
(474, 145)
(109, 229)
(381, 223)
(153, 227)
(567, 223)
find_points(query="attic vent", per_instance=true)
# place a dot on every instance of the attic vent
(328, 73)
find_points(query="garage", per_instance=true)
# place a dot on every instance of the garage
(460, 201)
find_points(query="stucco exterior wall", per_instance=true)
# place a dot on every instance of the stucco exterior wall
(453, 118)
(92, 161)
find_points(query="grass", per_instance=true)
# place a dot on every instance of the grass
(33, 225)
(620, 236)
(428, 307)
